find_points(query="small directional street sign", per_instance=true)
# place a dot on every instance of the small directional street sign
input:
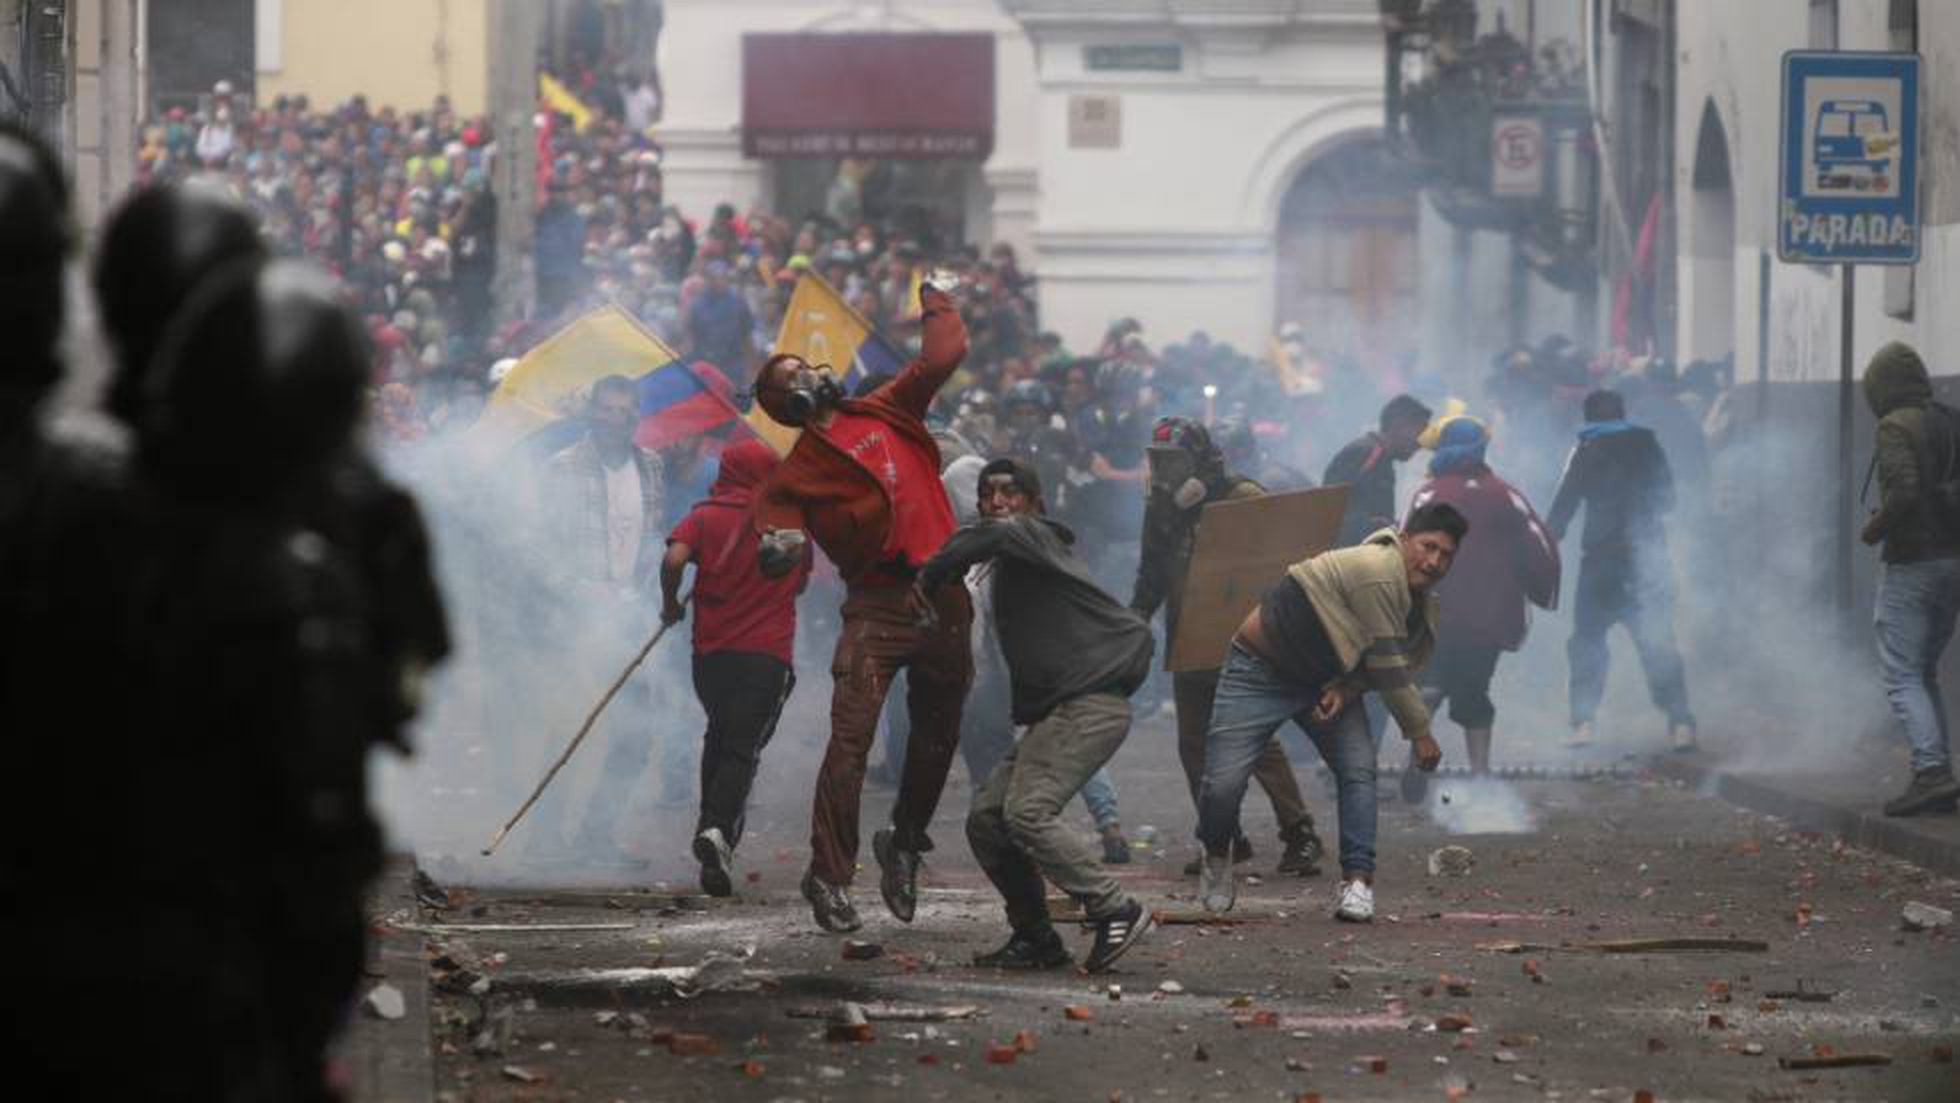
(1850, 179)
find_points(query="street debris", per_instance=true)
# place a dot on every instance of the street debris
(1200, 1053)
(1115, 992)
(1800, 994)
(1455, 986)
(1634, 946)
(1833, 1061)
(1170, 988)
(856, 949)
(385, 1001)
(1752, 1049)
(1454, 1023)
(1451, 861)
(513, 928)
(692, 1045)
(1916, 916)
(891, 1012)
(1199, 919)
(1395, 1018)
(521, 1075)
(718, 971)
(1076, 1013)
(852, 1025)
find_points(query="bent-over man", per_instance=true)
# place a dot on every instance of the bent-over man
(1339, 624)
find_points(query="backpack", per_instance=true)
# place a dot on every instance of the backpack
(1944, 490)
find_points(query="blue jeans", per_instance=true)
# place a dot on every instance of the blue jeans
(1917, 604)
(1635, 591)
(1253, 701)
(1099, 793)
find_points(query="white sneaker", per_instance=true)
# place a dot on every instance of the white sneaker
(717, 860)
(1357, 902)
(1582, 735)
(1218, 887)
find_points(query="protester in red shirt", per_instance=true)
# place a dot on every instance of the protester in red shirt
(1512, 562)
(744, 625)
(863, 482)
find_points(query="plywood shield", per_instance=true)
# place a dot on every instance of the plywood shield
(1242, 549)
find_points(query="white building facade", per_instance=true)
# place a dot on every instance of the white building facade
(1727, 111)
(1142, 151)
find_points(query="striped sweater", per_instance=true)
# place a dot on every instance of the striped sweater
(1381, 632)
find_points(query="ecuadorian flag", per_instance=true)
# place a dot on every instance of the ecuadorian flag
(822, 328)
(677, 399)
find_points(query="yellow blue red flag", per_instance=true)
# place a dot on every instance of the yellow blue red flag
(677, 399)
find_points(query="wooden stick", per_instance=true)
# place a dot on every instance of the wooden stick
(585, 728)
(1835, 1061)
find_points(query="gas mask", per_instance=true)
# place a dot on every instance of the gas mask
(808, 390)
(1174, 472)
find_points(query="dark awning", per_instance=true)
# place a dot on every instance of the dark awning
(868, 95)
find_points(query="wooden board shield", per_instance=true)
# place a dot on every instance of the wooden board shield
(1242, 549)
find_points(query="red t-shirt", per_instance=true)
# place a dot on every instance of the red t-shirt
(736, 608)
(922, 519)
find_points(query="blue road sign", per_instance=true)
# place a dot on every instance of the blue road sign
(1850, 180)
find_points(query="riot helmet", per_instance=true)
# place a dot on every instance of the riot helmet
(157, 248)
(259, 377)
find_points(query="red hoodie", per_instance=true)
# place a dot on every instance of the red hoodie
(1508, 559)
(735, 607)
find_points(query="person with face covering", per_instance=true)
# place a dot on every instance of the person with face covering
(744, 627)
(1074, 656)
(1337, 625)
(1187, 472)
(862, 480)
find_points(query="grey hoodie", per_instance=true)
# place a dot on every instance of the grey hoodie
(1061, 635)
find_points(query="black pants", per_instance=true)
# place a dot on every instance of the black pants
(743, 693)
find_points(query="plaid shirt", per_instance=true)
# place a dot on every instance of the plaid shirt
(575, 503)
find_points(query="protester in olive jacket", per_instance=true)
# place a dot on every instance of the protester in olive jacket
(1918, 524)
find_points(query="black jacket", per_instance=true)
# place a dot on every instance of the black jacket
(1368, 471)
(1170, 538)
(1062, 636)
(1620, 474)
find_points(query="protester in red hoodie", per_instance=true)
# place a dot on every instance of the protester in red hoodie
(744, 625)
(1512, 561)
(862, 483)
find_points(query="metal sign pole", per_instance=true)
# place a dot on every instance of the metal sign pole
(1847, 496)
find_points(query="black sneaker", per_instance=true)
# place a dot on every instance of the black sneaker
(1930, 791)
(1241, 852)
(1038, 950)
(1115, 934)
(1304, 850)
(1116, 848)
(898, 875)
(830, 904)
(717, 859)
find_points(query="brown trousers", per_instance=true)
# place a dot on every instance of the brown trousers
(883, 635)
(1193, 691)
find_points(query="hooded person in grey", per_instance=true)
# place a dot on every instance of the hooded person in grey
(1074, 655)
(1917, 464)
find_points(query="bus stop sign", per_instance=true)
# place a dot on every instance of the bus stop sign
(1850, 181)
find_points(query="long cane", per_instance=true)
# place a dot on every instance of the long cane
(584, 729)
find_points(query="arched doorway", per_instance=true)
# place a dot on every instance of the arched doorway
(1708, 289)
(1346, 267)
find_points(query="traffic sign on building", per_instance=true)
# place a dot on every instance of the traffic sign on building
(1850, 175)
